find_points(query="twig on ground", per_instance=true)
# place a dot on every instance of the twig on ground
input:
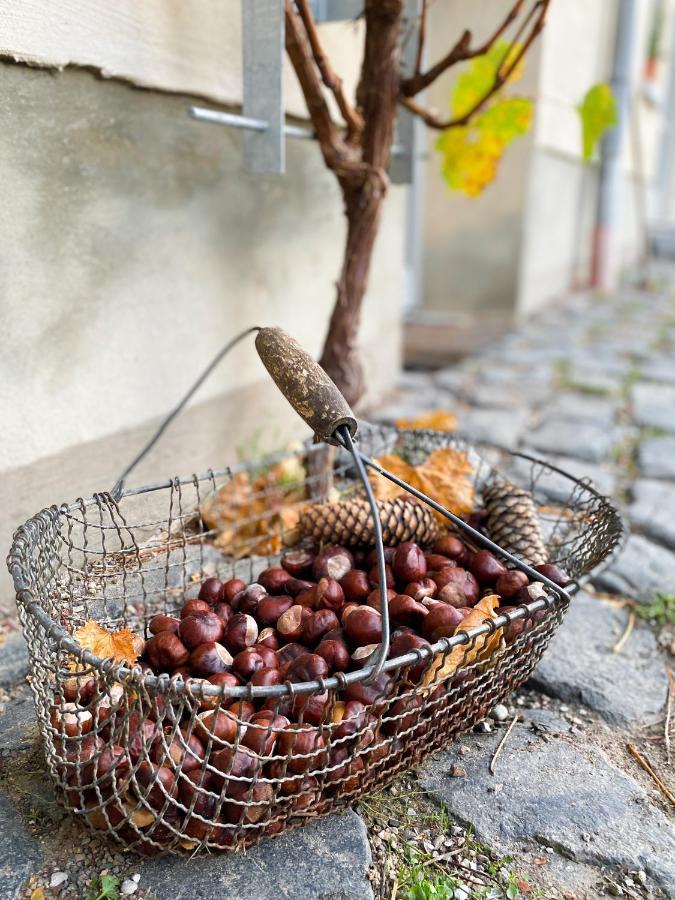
(665, 790)
(630, 624)
(394, 889)
(669, 709)
(501, 743)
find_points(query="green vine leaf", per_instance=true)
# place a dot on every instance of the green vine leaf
(471, 153)
(597, 112)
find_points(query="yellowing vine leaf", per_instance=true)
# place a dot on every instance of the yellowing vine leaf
(471, 153)
(437, 420)
(122, 646)
(597, 112)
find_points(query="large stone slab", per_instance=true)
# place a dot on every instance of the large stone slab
(13, 660)
(325, 860)
(559, 487)
(18, 725)
(626, 688)
(656, 457)
(642, 570)
(555, 793)
(576, 407)
(653, 511)
(580, 440)
(653, 405)
(503, 427)
(20, 854)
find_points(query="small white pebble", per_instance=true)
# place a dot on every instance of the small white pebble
(564, 708)
(57, 879)
(642, 876)
(460, 894)
(500, 713)
(411, 811)
(136, 877)
(128, 887)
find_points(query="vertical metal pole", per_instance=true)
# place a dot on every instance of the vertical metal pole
(664, 175)
(263, 98)
(606, 236)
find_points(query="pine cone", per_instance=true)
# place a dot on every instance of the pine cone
(512, 522)
(350, 522)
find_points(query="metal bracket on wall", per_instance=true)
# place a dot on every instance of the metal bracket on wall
(262, 117)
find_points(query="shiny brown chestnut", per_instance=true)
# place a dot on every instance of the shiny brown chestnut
(333, 562)
(335, 653)
(441, 622)
(274, 579)
(296, 586)
(163, 623)
(291, 622)
(307, 667)
(240, 632)
(270, 608)
(408, 563)
(355, 585)
(363, 626)
(486, 568)
(317, 624)
(246, 663)
(329, 595)
(231, 588)
(298, 563)
(269, 637)
(262, 732)
(200, 628)
(266, 677)
(224, 611)
(403, 610)
(462, 579)
(247, 600)
(304, 747)
(449, 545)
(374, 575)
(418, 590)
(211, 591)
(553, 573)
(191, 607)
(166, 651)
(510, 583)
(210, 658)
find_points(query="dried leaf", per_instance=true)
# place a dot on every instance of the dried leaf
(446, 664)
(437, 420)
(444, 477)
(122, 645)
(37, 894)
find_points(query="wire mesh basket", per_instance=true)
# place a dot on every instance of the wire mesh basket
(168, 762)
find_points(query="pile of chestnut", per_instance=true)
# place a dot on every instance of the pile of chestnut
(228, 771)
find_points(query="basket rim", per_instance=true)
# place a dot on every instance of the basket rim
(552, 596)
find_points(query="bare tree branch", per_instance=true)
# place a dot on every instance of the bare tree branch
(333, 82)
(460, 52)
(502, 75)
(421, 37)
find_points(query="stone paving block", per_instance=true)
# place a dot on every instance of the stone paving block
(20, 853)
(653, 510)
(557, 487)
(600, 378)
(576, 407)
(496, 426)
(653, 405)
(325, 860)
(13, 660)
(452, 379)
(18, 724)
(641, 570)
(582, 440)
(659, 369)
(656, 457)
(555, 793)
(626, 688)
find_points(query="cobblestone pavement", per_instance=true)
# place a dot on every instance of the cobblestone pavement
(591, 385)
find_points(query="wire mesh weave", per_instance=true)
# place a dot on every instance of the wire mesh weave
(106, 728)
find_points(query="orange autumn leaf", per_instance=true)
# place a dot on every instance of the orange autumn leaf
(122, 646)
(444, 476)
(446, 664)
(437, 420)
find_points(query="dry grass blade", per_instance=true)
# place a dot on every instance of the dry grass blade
(502, 742)
(630, 624)
(665, 790)
(669, 710)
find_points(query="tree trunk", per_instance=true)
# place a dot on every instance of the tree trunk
(364, 193)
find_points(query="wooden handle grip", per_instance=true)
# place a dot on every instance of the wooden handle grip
(312, 394)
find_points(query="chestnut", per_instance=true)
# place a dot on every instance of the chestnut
(80, 689)
(287, 653)
(166, 651)
(364, 656)
(304, 747)
(109, 771)
(329, 595)
(247, 600)
(374, 575)
(266, 676)
(163, 623)
(347, 718)
(210, 658)
(200, 628)
(242, 709)
(515, 628)
(194, 606)
(403, 715)
(306, 598)
(290, 623)
(462, 579)
(333, 562)
(451, 546)
(486, 568)
(224, 611)
(307, 667)
(418, 590)
(355, 586)
(211, 591)
(184, 753)
(274, 579)
(403, 610)
(408, 563)
(254, 802)
(246, 663)
(404, 642)
(452, 595)
(375, 598)
(298, 563)
(335, 634)
(436, 562)
(371, 559)
(219, 726)
(372, 694)
(240, 632)
(71, 720)
(231, 588)
(138, 735)
(363, 626)
(441, 622)
(553, 573)
(310, 708)
(317, 624)
(269, 656)
(335, 653)
(347, 610)
(296, 586)
(510, 583)
(220, 679)
(232, 764)
(155, 785)
(269, 637)
(270, 608)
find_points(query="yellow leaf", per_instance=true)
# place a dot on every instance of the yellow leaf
(437, 420)
(446, 664)
(37, 894)
(122, 645)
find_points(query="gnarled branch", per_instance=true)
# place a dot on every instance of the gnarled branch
(461, 51)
